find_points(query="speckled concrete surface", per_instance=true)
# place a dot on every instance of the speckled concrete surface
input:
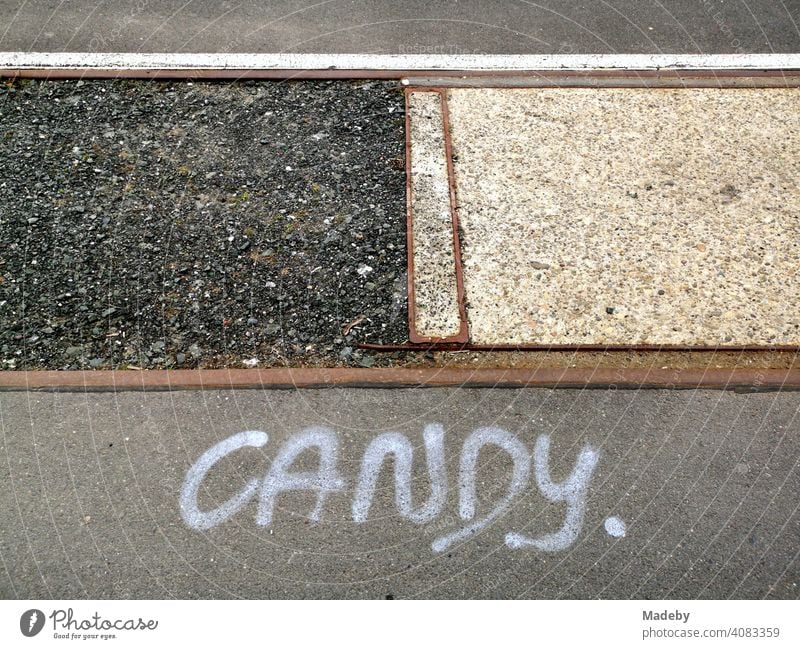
(435, 288)
(629, 216)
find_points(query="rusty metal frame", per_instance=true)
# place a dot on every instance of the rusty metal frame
(618, 78)
(462, 337)
(611, 79)
(203, 74)
(629, 79)
(737, 379)
(722, 77)
(640, 347)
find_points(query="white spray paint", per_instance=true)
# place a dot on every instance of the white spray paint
(572, 491)
(615, 526)
(402, 450)
(469, 458)
(323, 481)
(326, 479)
(190, 512)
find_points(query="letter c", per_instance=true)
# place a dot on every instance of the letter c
(190, 512)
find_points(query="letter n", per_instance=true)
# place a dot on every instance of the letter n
(402, 450)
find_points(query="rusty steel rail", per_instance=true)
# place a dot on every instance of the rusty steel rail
(462, 336)
(497, 78)
(604, 79)
(440, 81)
(743, 380)
(562, 347)
(611, 79)
(198, 74)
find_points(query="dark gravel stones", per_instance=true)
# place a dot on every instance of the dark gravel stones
(155, 224)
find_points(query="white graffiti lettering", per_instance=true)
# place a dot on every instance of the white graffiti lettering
(572, 491)
(325, 479)
(192, 515)
(469, 458)
(400, 447)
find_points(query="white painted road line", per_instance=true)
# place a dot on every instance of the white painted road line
(288, 61)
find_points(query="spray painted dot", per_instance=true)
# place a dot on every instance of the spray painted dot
(615, 526)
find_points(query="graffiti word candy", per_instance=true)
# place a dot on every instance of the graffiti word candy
(395, 450)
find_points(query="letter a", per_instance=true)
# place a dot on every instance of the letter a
(323, 481)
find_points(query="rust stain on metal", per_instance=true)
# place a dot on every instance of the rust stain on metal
(302, 378)
(554, 76)
(448, 347)
(463, 333)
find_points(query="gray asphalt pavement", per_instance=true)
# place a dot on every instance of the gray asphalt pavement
(687, 494)
(491, 493)
(408, 27)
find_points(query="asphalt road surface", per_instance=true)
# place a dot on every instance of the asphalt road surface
(408, 27)
(510, 493)
(674, 494)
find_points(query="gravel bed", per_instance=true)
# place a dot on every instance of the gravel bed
(155, 224)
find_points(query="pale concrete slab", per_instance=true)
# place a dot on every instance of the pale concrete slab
(640, 216)
(435, 302)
